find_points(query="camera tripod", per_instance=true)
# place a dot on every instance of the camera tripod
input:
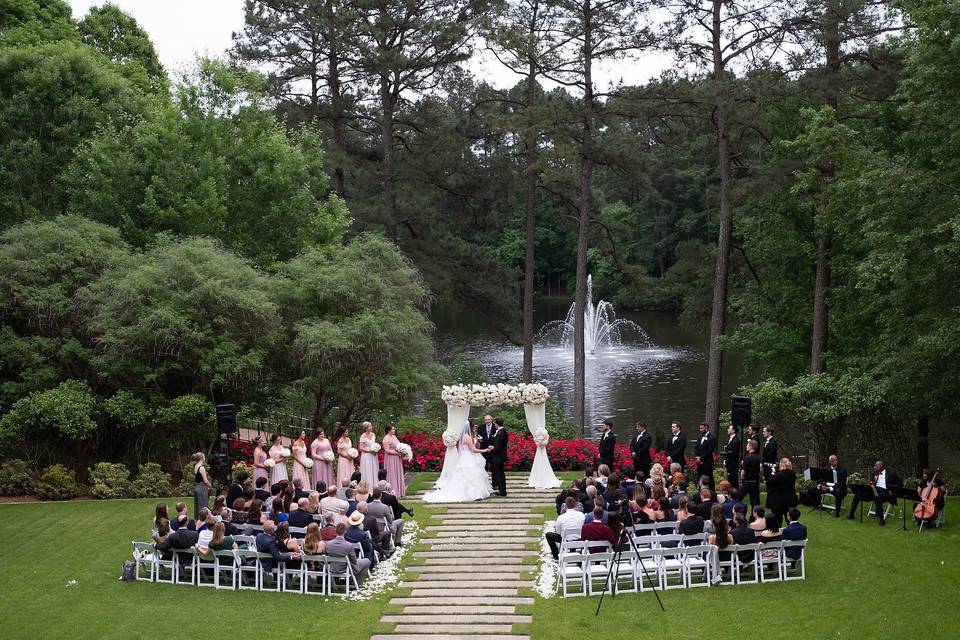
(618, 553)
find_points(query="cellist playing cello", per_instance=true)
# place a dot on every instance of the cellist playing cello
(931, 494)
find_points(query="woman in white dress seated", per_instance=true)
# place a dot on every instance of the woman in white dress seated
(467, 481)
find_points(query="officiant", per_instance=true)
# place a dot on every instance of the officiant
(486, 433)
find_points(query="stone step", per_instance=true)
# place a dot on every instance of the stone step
(447, 609)
(456, 619)
(476, 542)
(451, 629)
(502, 530)
(478, 546)
(471, 568)
(459, 559)
(457, 556)
(460, 600)
(415, 636)
(429, 593)
(508, 518)
(461, 581)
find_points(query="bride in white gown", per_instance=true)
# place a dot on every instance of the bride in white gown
(467, 479)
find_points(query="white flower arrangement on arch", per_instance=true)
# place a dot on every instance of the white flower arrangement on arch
(489, 395)
(541, 437)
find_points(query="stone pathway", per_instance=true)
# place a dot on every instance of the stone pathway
(458, 595)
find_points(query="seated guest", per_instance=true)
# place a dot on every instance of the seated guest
(705, 506)
(236, 488)
(219, 506)
(285, 541)
(380, 534)
(770, 534)
(239, 515)
(598, 503)
(321, 487)
(278, 514)
(377, 509)
(249, 495)
(313, 502)
(202, 517)
(759, 519)
(220, 540)
(733, 499)
(356, 535)
(261, 493)
(205, 534)
(591, 491)
(329, 529)
(255, 515)
(183, 520)
(638, 502)
(690, 525)
(338, 547)
(614, 493)
(561, 499)
(163, 530)
(355, 478)
(388, 498)
(333, 504)
(182, 538)
(302, 516)
(793, 531)
(298, 490)
(567, 527)
(342, 491)
(351, 496)
(362, 492)
(603, 475)
(628, 481)
(160, 513)
(683, 509)
(656, 472)
(288, 494)
(742, 534)
(596, 530)
(266, 542)
(724, 494)
(721, 538)
(589, 472)
(228, 525)
(313, 544)
(715, 511)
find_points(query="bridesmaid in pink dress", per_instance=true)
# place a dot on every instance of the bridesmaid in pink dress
(393, 462)
(322, 470)
(369, 461)
(259, 458)
(345, 466)
(299, 453)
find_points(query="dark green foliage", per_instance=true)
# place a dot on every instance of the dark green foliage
(118, 36)
(57, 483)
(44, 420)
(108, 480)
(15, 478)
(151, 482)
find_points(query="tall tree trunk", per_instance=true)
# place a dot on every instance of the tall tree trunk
(718, 314)
(821, 309)
(531, 227)
(583, 236)
(336, 104)
(389, 195)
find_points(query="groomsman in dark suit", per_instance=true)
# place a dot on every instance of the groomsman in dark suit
(731, 457)
(705, 448)
(498, 457)
(750, 480)
(608, 443)
(640, 450)
(769, 455)
(677, 446)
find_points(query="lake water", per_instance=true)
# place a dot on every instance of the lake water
(657, 375)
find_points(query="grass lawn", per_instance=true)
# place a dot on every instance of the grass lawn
(49, 544)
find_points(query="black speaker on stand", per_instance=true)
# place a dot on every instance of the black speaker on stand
(227, 425)
(741, 413)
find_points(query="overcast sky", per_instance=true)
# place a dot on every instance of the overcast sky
(183, 29)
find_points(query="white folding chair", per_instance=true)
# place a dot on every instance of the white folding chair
(794, 569)
(673, 574)
(298, 532)
(185, 566)
(597, 569)
(572, 572)
(250, 541)
(269, 580)
(339, 572)
(771, 561)
(248, 569)
(668, 541)
(144, 558)
(624, 572)
(727, 565)
(166, 568)
(314, 575)
(206, 569)
(225, 569)
(747, 563)
(292, 576)
(698, 565)
(647, 569)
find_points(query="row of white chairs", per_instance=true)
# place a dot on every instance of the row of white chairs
(241, 569)
(673, 562)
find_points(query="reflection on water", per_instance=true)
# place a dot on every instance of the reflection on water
(656, 375)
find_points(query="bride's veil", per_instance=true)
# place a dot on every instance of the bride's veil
(465, 430)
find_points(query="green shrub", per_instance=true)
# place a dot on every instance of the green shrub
(151, 482)
(15, 478)
(57, 483)
(239, 466)
(109, 480)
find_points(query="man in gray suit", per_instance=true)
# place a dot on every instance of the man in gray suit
(377, 509)
(340, 548)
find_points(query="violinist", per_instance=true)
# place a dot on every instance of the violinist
(931, 493)
(814, 495)
(881, 481)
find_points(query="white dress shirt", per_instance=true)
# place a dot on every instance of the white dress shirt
(569, 524)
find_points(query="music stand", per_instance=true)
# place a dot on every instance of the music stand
(907, 495)
(863, 493)
(821, 476)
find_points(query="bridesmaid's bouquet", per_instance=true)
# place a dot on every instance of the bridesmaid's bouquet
(269, 463)
(328, 456)
(405, 450)
(308, 463)
(285, 453)
(353, 453)
(373, 447)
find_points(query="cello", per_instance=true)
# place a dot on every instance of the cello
(926, 509)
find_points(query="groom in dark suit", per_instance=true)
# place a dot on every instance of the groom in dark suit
(498, 457)
(485, 434)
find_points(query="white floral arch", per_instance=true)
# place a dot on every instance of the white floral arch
(459, 398)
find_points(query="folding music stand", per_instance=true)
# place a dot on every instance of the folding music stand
(821, 476)
(907, 495)
(864, 493)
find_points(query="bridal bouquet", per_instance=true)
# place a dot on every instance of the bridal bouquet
(541, 437)
(534, 393)
(269, 463)
(373, 447)
(308, 463)
(328, 456)
(405, 450)
(449, 439)
(353, 453)
(285, 453)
